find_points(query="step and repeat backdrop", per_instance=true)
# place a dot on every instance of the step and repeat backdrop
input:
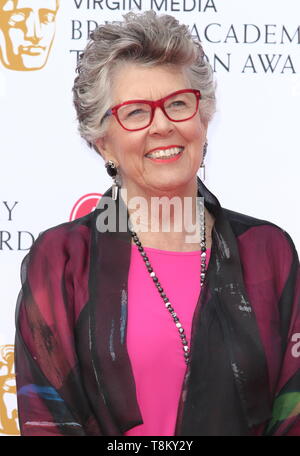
(49, 175)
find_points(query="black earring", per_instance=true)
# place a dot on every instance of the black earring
(111, 168)
(112, 171)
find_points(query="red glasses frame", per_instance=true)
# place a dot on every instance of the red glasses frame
(154, 104)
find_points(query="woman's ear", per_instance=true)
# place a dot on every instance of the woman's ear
(205, 126)
(99, 144)
(104, 150)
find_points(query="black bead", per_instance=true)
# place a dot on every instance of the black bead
(162, 294)
(133, 233)
(111, 170)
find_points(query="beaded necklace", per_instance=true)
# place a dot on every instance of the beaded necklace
(168, 305)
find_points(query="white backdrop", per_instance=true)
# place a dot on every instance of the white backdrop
(253, 157)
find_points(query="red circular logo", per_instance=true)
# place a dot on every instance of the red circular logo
(85, 205)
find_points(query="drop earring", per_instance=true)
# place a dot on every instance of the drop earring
(112, 171)
(202, 167)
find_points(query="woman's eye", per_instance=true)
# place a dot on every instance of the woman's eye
(136, 112)
(177, 104)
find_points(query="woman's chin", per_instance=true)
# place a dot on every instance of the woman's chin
(169, 184)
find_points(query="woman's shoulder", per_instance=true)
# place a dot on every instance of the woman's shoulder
(264, 233)
(65, 238)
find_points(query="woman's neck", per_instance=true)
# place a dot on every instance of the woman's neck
(169, 221)
(174, 241)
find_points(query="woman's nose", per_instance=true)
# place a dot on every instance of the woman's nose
(160, 123)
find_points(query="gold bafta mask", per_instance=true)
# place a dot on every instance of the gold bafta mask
(8, 410)
(27, 29)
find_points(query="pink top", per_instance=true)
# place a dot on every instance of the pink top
(153, 341)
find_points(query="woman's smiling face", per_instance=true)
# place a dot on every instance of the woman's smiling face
(141, 174)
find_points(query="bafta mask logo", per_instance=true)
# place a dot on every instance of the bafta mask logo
(8, 402)
(27, 30)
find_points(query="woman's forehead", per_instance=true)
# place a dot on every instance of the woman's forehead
(133, 81)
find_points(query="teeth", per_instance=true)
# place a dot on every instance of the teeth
(173, 151)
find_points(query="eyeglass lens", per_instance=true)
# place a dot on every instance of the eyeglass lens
(138, 114)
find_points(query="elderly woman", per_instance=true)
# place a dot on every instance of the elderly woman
(143, 331)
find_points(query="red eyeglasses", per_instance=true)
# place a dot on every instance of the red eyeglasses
(134, 115)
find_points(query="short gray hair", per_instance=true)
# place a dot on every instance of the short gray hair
(146, 39)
